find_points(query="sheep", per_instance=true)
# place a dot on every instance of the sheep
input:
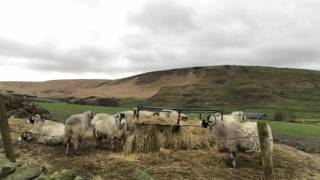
(168, 115)
(110, 127)
(146, 115)
(46, 132)
(75, 128)
(234, 136)
(234, 116)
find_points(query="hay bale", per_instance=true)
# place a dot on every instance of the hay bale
(150, 138)
(146, 139)
(187, 138)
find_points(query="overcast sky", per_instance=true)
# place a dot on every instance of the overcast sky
(63, 39)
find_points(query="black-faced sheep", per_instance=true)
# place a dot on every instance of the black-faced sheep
(110, 127)
(234, 136)
(46, 132)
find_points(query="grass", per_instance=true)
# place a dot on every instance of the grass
(298, 129)
(61, 111)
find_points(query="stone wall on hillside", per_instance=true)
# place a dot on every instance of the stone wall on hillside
(21, 106)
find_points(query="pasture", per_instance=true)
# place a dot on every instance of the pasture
(307, 130)
(61, 111)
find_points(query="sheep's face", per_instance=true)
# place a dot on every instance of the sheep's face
(90, 114)
(34, 119)
(26, 136)
(208, 121)
(121, 120)
(183, 117)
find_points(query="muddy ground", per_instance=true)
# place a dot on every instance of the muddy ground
(289, 162)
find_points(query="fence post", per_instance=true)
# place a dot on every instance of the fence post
(5, 134)
(266, 156)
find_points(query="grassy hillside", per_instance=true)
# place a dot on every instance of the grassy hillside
(227, 87)
(249, 88)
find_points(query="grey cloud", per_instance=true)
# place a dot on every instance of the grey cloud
(177, 34)
(164, 17)
(248, 33)
(290, 55)
(50, 58)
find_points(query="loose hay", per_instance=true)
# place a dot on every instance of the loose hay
(150, 138)
(146, 140)
(187, 138)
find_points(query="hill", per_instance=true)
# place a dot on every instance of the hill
(230, 87)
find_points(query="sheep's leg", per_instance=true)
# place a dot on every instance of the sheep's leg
(97, 142)
(80, 146)
(76, 145)
(260, 160)
(233, 159)
(123, 141)
(67, 149)
(100, 142)
(112, 142)
(67, 142)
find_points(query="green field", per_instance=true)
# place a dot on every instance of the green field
(61, 111)
(295, 128)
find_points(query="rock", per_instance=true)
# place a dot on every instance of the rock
(42, 177)
(141, 175)
(26, 172)
(97, 178)
(63, 175)
(7, 168)
(81, 178)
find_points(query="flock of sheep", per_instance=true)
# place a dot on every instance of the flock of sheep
(232, 133)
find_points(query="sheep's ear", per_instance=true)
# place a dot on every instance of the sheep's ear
(117, 116)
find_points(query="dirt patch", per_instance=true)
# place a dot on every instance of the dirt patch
(289, 162)
(307, 144)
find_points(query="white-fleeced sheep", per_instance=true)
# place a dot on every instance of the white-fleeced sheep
(75, 128)
(110, 127)
(234, 136)
(234, 116)
(164, 115)
(171, 116)
(46, 132)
